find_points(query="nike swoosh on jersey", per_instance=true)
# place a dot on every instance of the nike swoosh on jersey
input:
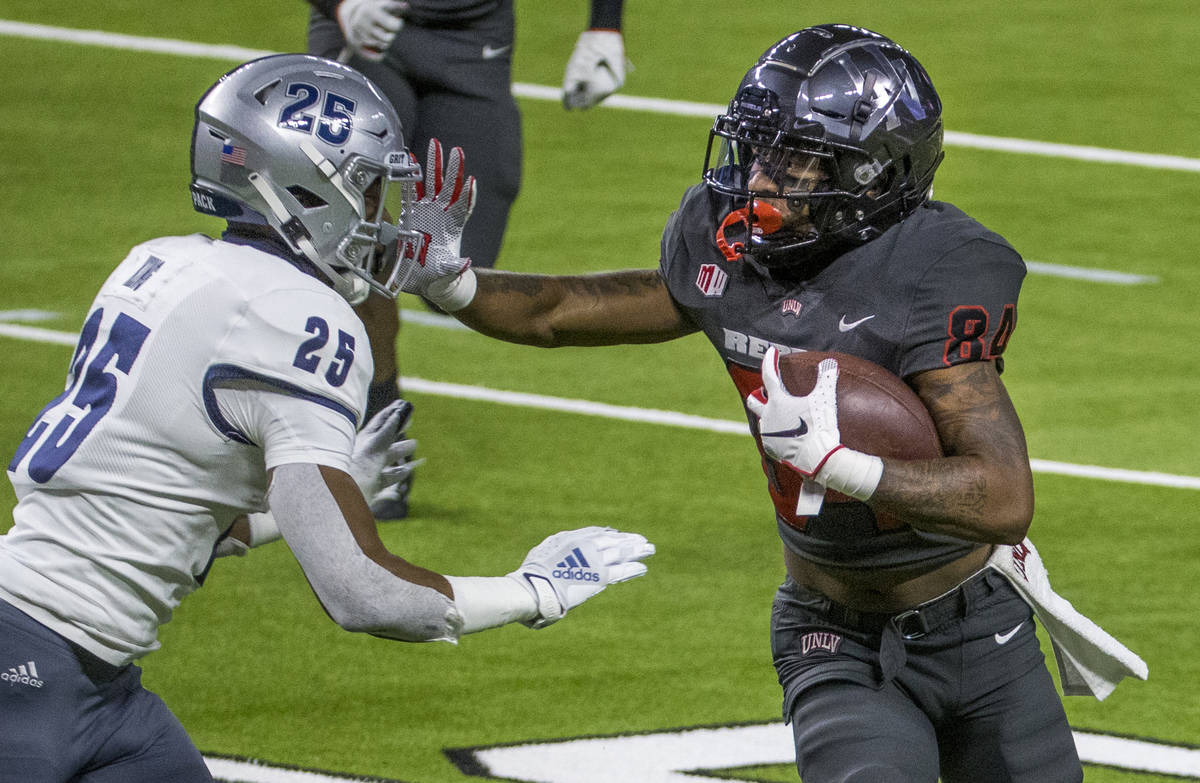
(845, 327)
(492, 52)
(1003, 638)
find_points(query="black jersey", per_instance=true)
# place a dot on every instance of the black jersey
(936, 290)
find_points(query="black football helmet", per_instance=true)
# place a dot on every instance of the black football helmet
(833, 117)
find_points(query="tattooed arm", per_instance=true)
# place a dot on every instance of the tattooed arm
(983, 489)
(608, 308)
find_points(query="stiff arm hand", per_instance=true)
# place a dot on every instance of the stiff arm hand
(369, 26)
(802, 432)
(438, 208)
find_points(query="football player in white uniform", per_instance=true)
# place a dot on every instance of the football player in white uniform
(222, 381)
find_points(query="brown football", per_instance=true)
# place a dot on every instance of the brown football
(877, 412)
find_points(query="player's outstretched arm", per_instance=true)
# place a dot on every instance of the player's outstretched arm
(380, 462)
(325, 519)
(609, 308)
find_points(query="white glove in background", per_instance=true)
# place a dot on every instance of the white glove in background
(595, 70)
(370, 25)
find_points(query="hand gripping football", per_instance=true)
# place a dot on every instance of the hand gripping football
(877, 412)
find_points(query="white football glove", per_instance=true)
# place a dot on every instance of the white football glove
(802, 432)
(438, 209)
(380, 461)
(595, 70)
(370, 25)
(572, 566)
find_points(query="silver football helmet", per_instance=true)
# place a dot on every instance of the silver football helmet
(308, 147)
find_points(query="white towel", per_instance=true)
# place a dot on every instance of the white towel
(1089, 659)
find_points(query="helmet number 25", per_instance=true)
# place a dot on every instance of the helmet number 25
(337, 111)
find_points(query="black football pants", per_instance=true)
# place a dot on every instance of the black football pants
(969, 701)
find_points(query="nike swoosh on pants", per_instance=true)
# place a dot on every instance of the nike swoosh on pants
(1003, 638)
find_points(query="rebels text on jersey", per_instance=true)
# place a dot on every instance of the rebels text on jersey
(936, 290)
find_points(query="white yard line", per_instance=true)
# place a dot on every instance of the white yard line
(180, 48)
(1089, 274)
(640, 415)
(619, 101)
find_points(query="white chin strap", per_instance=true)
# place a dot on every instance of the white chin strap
(352, 288)
(355, 291)
(331, 173)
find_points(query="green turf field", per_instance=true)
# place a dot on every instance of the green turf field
(94, 156)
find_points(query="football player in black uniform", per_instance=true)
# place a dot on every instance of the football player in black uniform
(446, 66)
(901, 655)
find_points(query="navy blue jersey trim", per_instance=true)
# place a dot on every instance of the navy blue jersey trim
(271, 246)
(221, 374)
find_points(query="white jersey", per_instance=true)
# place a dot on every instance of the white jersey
(126, 480)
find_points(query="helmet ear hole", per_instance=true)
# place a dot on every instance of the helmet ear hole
(866, 172)
(306, 197)
(261, 93)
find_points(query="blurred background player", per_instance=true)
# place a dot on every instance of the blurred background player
(218, 379)
(446, 66)
(904, 653)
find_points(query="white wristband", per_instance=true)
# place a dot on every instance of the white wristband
(455, 293)
(852, 473)
(230, 547)
(489, 601)
(263, 528)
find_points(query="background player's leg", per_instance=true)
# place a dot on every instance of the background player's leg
(489, 131)
(380, 316)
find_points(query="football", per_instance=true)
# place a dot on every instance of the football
(877, 412)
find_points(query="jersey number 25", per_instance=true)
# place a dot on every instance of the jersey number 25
(92, 390)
